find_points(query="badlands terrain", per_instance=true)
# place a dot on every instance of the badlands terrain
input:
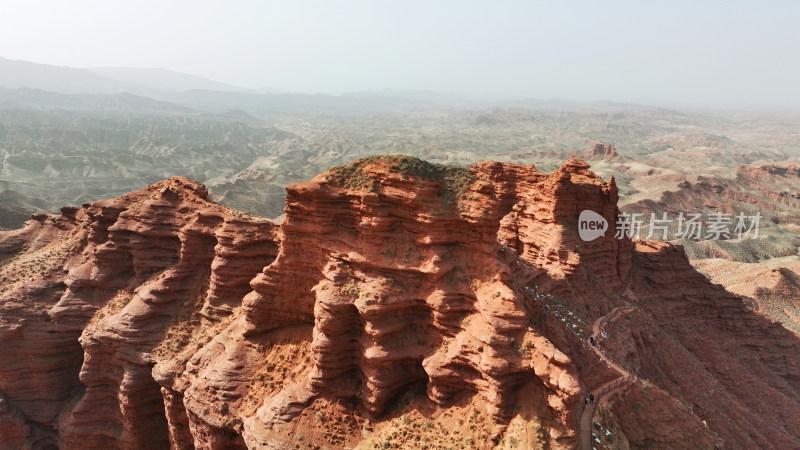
(397, 304)
(391, 270)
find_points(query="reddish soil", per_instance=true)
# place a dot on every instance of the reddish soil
(398, 304)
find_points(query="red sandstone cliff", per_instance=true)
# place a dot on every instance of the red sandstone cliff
(399, 303)
(602, 151)
(95, 291)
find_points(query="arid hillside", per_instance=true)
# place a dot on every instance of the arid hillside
(398, 304)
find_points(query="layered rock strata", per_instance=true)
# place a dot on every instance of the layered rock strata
(393, 291)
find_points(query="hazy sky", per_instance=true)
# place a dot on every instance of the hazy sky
(712, 53)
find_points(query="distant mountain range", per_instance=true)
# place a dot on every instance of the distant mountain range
(104, 80)
(64, 80)
(130, 90)
(164, 79)
(134, 90)
(125, 102)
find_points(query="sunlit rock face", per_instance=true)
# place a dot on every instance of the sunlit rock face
(394, 292)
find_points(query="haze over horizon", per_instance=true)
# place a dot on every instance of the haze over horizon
(716, 54)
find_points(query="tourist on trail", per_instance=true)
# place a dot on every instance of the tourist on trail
(591, 398)
(591, 339)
